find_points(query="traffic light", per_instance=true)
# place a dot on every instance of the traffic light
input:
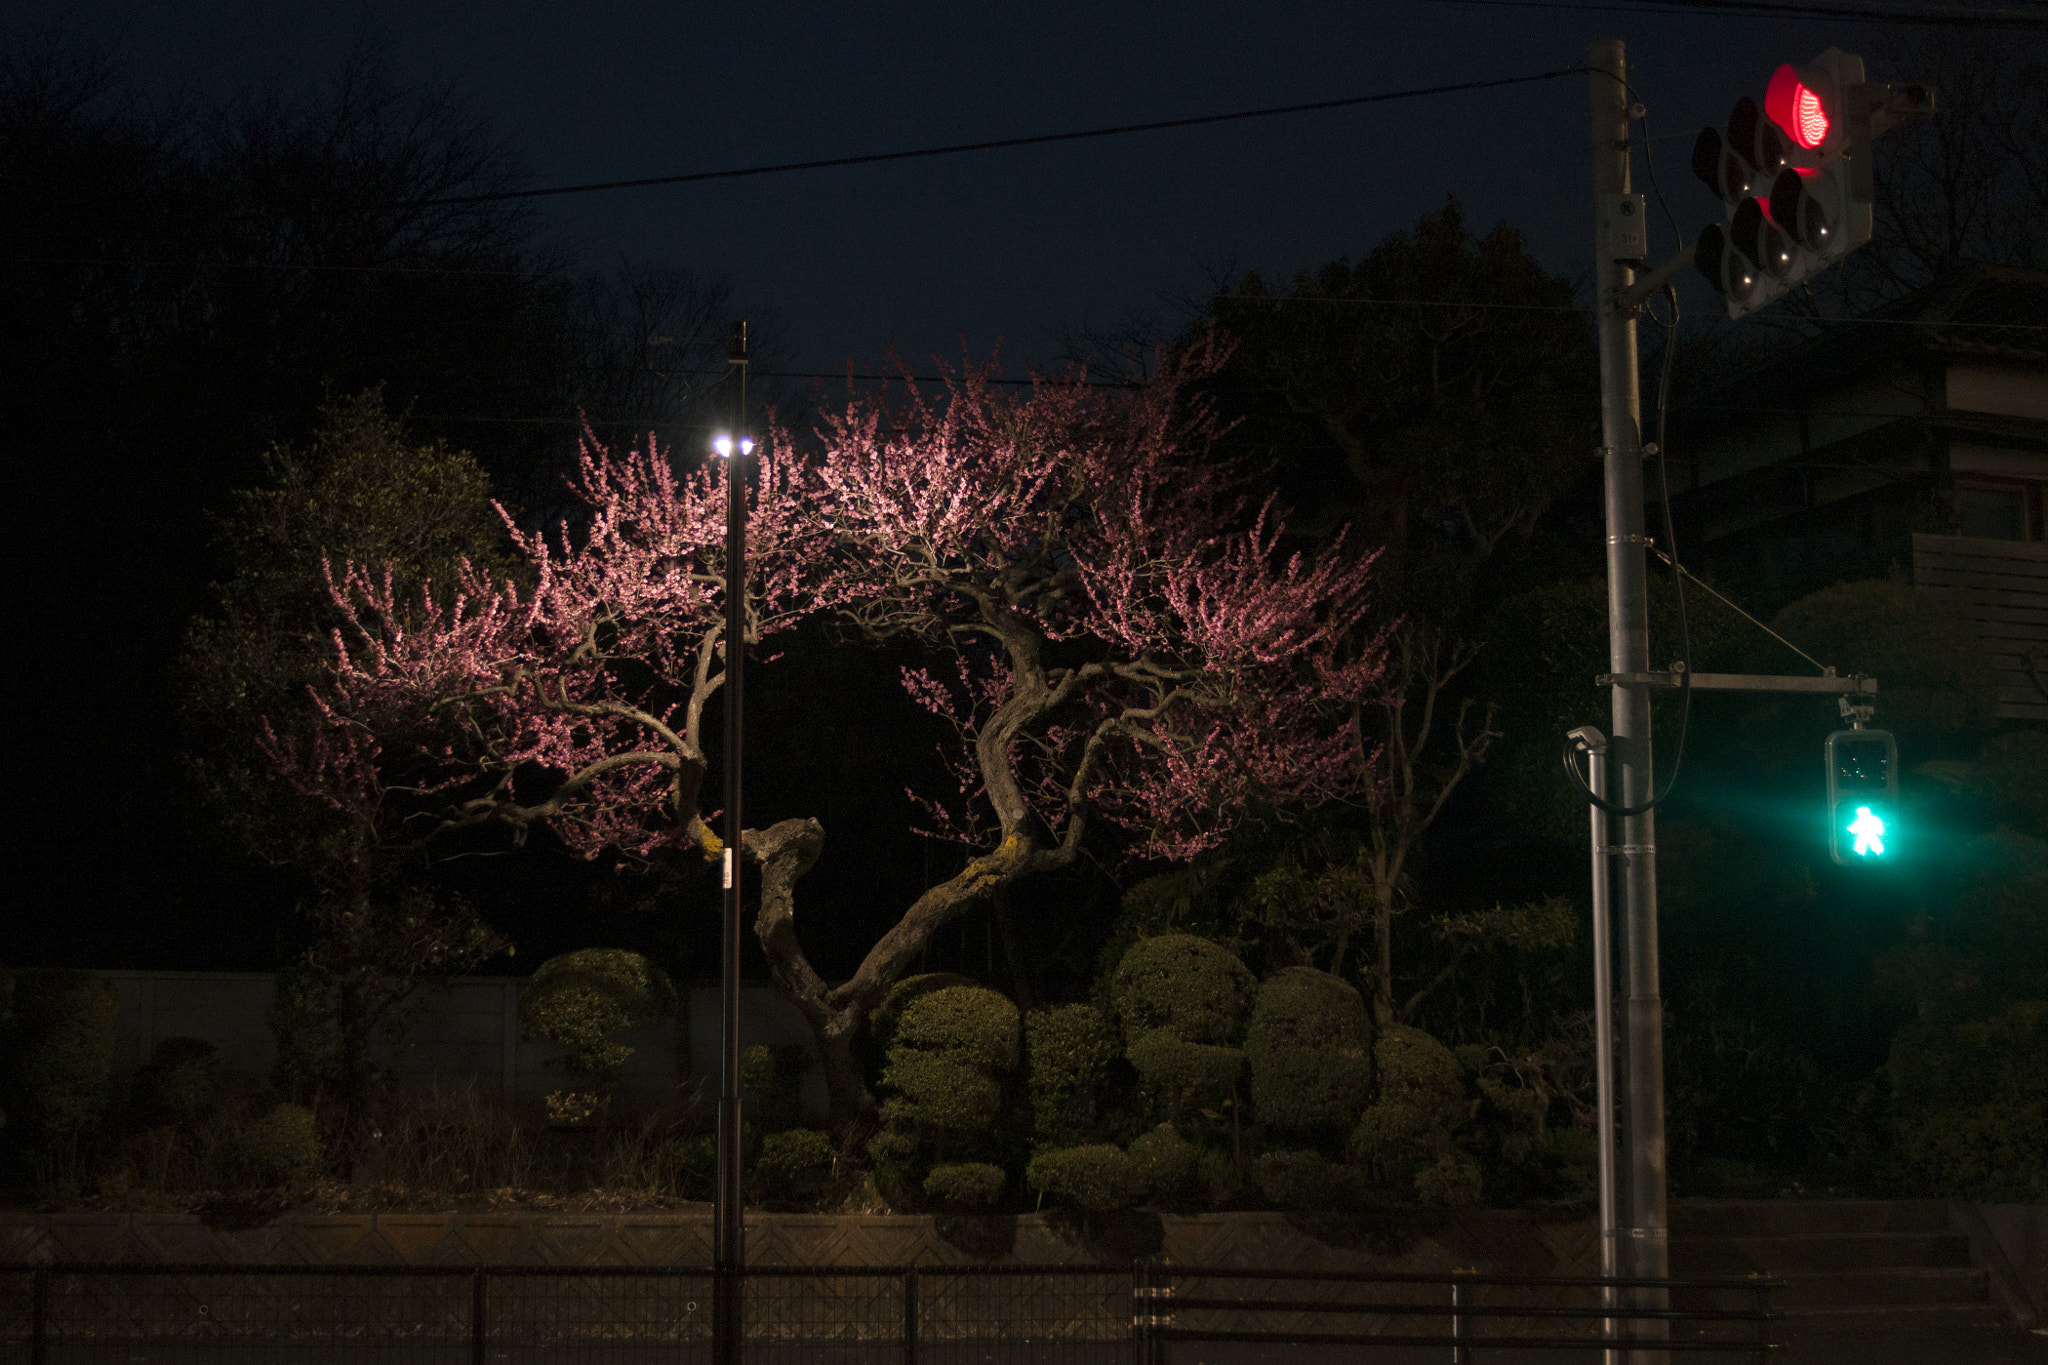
(1794, 177)
(1863, 796)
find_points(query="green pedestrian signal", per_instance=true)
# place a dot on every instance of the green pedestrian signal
(1869, 832)
(1863, 793)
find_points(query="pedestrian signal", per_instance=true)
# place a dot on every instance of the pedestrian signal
(1863, 796)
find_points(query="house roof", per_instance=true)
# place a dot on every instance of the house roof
(1987, 312)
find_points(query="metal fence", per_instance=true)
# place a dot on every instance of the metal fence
(1450, 1316)
(1146, 1314)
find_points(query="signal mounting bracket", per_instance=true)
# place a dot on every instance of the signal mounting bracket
(1828, 684)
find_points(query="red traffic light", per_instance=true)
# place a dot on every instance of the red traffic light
(1797, 108)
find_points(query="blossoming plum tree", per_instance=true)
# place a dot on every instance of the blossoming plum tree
(1123, 642)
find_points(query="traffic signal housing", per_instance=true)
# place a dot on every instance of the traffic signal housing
(1863, 796)
(1793, 175)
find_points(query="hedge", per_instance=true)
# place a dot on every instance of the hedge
(967, 1186)
(1408, 1127)
(969, 1024)
(1163, 1163)
(1309, 1048)
(1069, 1050)
(60, 1049)
(283, 1147)
(1097, 1178)
(580, 999)
(1183, 984)
(1177, 1072)
(934, 1090)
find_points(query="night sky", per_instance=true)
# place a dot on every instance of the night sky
(1026, 247)
(1021, 246)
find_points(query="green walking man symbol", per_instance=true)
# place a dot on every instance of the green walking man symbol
(1869, 832)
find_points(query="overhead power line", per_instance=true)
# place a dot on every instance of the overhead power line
(1973, 17)
(1040, 139)
(1757, 9)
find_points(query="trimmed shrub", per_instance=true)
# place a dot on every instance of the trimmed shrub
(1069, 1051)
(1178, 1074)
(891, 1147)
(794, 1162)
(883, 1018)
(282, 1147)
(1421, 1103)
(1216, 1178)
(939, 1091)
(951, 1046)
(61, 1045)
(1938, 681)
(1304, 1180)
(771, 1079)
(1163, 1163)
(1309, 1047)
(1452, 1179)
(179, 1081)
(1096, 1178)
(1183, 984)
(181, 1078)
(580, 999)
(967, 1186)
(689, 1166)
(969, 1024)
(1970, 1103)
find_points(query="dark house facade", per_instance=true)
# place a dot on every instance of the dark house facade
(1913, 440)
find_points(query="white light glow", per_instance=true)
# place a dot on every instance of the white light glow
(722, 443)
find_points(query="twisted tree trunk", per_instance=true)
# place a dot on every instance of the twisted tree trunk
(785, 852)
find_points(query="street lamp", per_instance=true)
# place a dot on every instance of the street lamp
(728, 1243)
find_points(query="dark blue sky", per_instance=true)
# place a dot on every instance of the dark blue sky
(1011, 244)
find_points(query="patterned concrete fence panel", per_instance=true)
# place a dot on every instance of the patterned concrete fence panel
(464, 1033)
(1488, 1240)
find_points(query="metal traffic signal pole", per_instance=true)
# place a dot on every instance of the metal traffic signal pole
(1634, 879)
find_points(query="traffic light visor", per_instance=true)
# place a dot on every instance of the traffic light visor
(1760, 239)
(1731, 273)
(1797, 108)
(1796, 209)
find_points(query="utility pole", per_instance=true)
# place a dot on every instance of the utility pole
(1619, 219)
(1798, 190)
(728, 1251)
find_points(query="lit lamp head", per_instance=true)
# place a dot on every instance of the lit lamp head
(722, 443)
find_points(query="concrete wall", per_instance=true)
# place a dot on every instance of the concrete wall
(465, 1032)
(2022, 1234)
(1502, 1241)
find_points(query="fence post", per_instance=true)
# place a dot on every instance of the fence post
(479, 1315)
(1461, 1354)
(910, 1322)
(39, 1316)
(1141, 1307)
(1760, 1295)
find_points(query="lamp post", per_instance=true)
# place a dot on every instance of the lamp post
(728, 1245)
